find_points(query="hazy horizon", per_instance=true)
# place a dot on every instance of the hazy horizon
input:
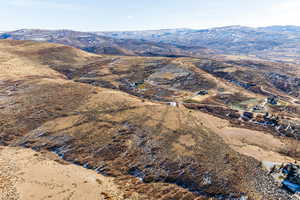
(97, 15)
(213, 27)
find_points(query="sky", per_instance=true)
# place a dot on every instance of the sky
(114, 15)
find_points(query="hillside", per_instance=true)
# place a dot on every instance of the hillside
(275, 43)
(26, 174)
(142, 123)
(94, 43)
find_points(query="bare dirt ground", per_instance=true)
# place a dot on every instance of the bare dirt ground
(29, 175)
(257, 144)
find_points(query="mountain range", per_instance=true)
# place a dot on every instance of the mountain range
(274, 43)
(96, 43)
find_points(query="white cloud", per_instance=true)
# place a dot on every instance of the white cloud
(44, 4)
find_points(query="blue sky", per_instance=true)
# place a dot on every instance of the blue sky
(106, 15)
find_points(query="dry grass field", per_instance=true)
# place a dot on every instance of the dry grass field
(110, 114)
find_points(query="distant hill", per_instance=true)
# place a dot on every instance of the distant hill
(274, 43)
(99, 44)
(277, 43)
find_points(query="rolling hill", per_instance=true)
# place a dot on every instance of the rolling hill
(159, 127)
(275, 43)
(95, 43)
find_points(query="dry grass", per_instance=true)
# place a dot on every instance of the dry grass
(120, 133)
